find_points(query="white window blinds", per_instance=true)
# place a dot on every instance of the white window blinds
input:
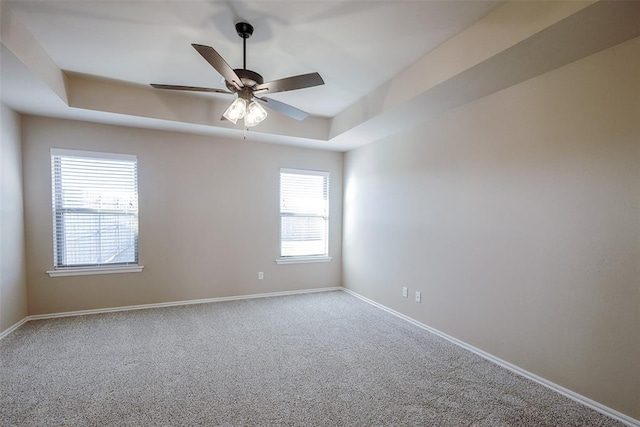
(304, 213)
(95, 209)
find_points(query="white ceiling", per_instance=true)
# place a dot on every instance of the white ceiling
(387, 65)
(355, 45)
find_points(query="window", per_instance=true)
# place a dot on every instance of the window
(304, 216)
(95, 212)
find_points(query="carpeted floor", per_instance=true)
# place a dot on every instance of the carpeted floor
(313, 359)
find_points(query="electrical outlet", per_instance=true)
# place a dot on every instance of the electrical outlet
(418, 296)
(405, 291)
(260, 275)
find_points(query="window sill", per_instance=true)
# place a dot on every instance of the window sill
(85, 271)
(303, 259)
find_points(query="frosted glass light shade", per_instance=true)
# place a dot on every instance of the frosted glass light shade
(255, 114)
(236, 110)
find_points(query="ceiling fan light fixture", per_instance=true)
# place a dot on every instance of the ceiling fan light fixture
(255, 114)
(236, 110)
(245, 84)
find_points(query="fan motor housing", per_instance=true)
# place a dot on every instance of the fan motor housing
(249, 79)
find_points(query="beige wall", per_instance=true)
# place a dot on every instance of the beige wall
(518, 218)
(13, 287)
(209, 217)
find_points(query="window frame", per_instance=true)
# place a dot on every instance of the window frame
(56, 207)
(298, 259)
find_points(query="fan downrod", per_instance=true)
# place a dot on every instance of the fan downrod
(244, 30)
(249, 78)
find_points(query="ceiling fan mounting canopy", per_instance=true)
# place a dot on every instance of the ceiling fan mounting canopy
(247, 83)
(244, 29)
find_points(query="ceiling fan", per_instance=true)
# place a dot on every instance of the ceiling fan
(247, 84)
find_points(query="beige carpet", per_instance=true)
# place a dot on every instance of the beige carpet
(313, 359)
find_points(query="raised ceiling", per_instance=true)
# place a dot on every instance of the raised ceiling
(93, 60)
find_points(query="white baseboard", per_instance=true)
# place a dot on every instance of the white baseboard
(612, 413)
(161, 304)
(13, 327)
